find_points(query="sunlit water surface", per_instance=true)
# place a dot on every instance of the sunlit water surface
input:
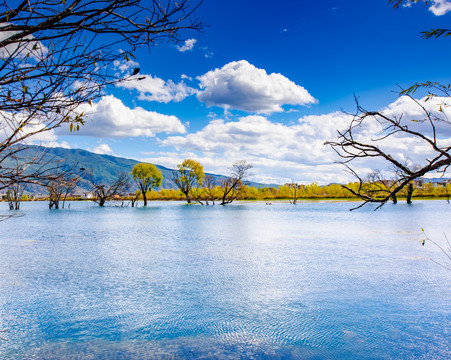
(248, 281)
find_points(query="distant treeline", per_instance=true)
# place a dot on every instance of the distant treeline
(312, 191)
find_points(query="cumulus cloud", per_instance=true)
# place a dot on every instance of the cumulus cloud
(281, 152)
(187, 46)
(125, 66)
(256, 135)
(18, 49)
(33, 133)
(186, 77)
(47, 138)
(110, 118)
(103, 149)
(155, 89)
(240, 85)
(440, 7)
(412, 114)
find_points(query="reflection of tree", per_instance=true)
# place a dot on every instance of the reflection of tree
(351, 146)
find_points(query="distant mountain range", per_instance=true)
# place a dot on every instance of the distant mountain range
(106, 167)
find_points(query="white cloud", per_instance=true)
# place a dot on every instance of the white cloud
(281, 152)
(17, 49)
(47, 138)
(240, 85)
(187, 46)
(125, 66)
(110, 118)
(155, 89)
(406, 148)
(412, 114)
(34, 133)
(103, 149)
(209, 54)
(440, 7)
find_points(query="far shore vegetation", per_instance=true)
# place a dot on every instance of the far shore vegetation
(426, 190)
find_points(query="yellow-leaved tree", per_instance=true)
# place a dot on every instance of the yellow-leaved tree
(146, 176)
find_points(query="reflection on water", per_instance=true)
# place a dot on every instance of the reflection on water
(311, 281)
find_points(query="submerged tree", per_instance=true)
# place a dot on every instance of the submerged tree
(105, 192)
(208, 193)
(294, 189)
(56, 55)
(232, 186)
(55, 189)
(146, 176)
(16, 186)
(424, 131)
(188, 178)
(14, 195)
(63, 185)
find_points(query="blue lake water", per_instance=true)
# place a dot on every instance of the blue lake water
(245, 281)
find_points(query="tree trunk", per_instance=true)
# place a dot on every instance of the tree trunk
(394, 199)
(409, 193)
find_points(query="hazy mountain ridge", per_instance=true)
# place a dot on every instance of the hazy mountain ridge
(106, 167)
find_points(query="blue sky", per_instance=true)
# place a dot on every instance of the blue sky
(265, 82)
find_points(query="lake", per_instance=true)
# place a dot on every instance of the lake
(245, 281)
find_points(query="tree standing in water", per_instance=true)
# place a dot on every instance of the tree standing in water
(146, 176)
(189, 175)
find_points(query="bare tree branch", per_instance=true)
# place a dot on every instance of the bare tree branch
(232, 186)
(106, 192)
(57, 55)
(350, 147)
